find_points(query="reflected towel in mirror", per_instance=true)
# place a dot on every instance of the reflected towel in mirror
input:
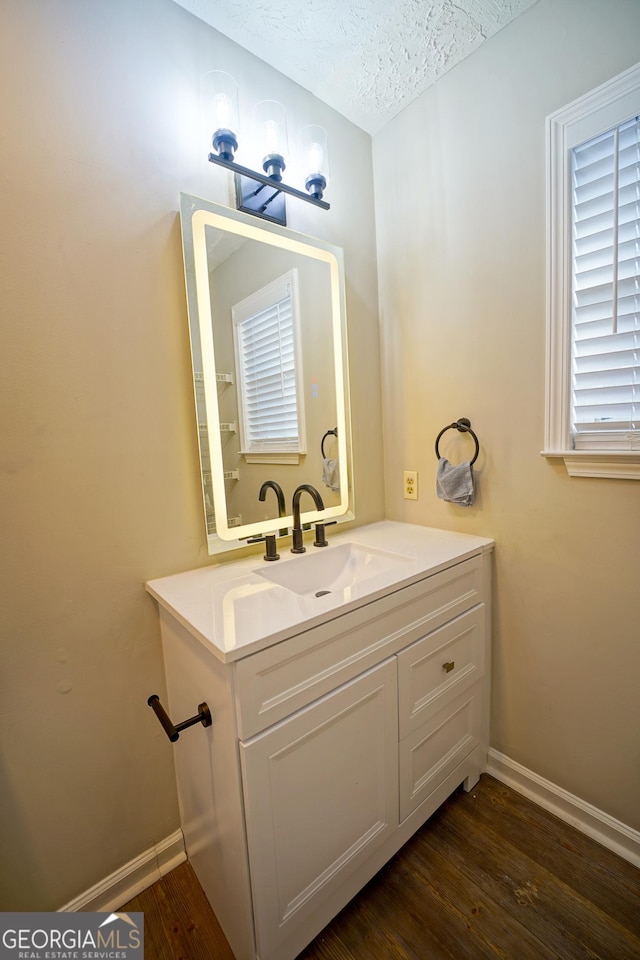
(455, 484)
(330, 473)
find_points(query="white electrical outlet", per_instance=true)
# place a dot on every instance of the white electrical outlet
(410, 484)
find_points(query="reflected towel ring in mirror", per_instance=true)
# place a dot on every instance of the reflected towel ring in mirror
(329, 433)
(464, 426)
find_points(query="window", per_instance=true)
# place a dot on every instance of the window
(593, 315)
(269, 371)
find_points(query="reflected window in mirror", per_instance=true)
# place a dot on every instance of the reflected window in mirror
(266, 327)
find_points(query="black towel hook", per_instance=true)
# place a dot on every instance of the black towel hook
(172, 730)
(329, 433)
(464, 426)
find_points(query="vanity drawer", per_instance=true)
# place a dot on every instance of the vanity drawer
(281, 679)
(434, 750)
(439, 667)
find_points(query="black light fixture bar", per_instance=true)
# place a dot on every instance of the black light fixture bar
(277, 185)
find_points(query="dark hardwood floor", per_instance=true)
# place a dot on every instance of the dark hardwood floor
(490, 875)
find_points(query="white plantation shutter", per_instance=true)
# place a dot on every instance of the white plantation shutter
(605, 405)
(266, 349)
(268, 368)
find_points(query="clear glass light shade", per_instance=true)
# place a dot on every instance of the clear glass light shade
(270, 131)
(314, 158)
(220, 107)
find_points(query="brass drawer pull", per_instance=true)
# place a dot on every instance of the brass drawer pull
(448, 666)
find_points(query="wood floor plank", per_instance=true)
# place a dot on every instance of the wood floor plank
(480, 921)
(404, 940)
(156, 944)
(388, 920)
(327, 946)
(419, 916)
(360, 931)
(605, 879)
(192, 927)
(179, 923)
(549, 908)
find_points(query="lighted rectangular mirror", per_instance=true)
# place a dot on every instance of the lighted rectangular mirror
(268, 345)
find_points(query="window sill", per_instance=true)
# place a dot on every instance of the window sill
(614, 466)
(271, 457)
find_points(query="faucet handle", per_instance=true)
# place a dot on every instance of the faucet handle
(272, 550)
(321, 539)
(270, 540)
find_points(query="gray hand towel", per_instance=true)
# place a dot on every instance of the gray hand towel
(455, 484)
(331, 473)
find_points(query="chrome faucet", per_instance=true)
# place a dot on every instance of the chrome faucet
(270, 539)
(296, 530)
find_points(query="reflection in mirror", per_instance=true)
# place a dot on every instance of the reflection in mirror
(268, 344)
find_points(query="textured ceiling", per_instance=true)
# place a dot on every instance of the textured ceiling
(366, 58)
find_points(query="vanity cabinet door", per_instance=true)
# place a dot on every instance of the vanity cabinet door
(321, 794)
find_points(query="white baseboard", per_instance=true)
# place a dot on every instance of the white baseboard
(133, 878)
(611, 833)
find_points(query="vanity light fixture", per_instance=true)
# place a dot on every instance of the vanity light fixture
(224, 114)
(270, 124)
(312, 147)
(263, 193)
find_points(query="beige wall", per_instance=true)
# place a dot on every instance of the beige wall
(461, 260)
(99, 474)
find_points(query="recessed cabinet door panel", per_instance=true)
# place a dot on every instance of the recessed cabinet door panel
(439, 667)
(321, 792)
(431, 753)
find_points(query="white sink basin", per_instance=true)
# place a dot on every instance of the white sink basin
(330, 569)
(236, 609)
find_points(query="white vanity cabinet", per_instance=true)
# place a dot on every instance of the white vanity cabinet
(329, 746)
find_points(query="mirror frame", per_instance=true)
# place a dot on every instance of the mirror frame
(196, 215)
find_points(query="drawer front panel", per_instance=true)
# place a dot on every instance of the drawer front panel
(440, 666)
(433, 751)
(275, 682)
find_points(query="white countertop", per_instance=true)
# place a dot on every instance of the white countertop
(235, 611)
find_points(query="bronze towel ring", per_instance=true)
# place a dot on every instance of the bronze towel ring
(329, 433)
(464, 426)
